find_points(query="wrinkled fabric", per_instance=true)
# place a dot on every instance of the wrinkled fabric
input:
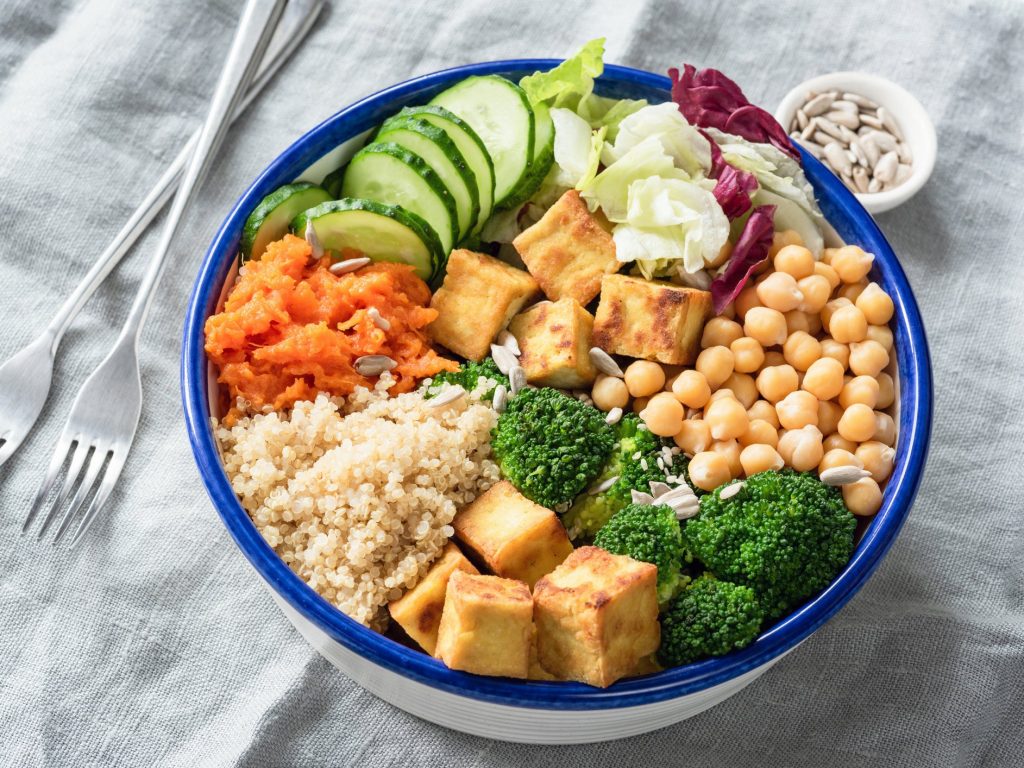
(155, 643)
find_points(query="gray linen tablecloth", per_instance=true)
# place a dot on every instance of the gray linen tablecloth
(155, 644)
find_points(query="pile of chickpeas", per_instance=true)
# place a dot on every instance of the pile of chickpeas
(791, 374)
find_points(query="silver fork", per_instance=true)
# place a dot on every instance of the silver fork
(25, 378)
(106, 411)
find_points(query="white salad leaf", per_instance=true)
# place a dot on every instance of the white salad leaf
(683, 143)
(573, 139)
(594, 157)
(609, 190)
(604, 112)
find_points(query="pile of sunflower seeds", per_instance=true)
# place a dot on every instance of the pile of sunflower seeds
(856, 138)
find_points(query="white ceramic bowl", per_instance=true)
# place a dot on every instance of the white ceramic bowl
(913, 121)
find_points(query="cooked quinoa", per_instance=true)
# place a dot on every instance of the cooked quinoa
(357, 495)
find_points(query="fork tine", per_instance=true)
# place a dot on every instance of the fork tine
(60, 454)
(96, 463)
(114, 467)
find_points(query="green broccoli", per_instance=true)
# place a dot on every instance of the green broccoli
(708, 618)
(785, 534)
(550, 445)
(634, 461)
(468, 376)
(651, 533)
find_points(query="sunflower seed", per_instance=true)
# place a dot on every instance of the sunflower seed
(840, 118)
(885, 169)
(686, 514)
(843, 475)
(903, 172)
(504, 358)
(500, 398)
(836, 157)
(874, 186)
(827, 126)
(860, 101)
(905, 155)
(639, 497)
(870, 147)
(858, 152)
(449, 396)
(349, 265)
(643, 465)
(603, 486)
(818, 105)
(890, 124)
(860, 179)
(885, 141)
(510, 342)
(730, 490)
(605, 363)
(659, 489)
(809, 129)
(802, 119)
(314, 242)
(613, 416)
(373, 365)
(815, 149)
(848, 135)
(516, 379)
(845, 105)
(872, 121)
(381, 322)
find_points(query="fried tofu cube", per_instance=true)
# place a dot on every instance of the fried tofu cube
(486, 626)
(651, 320)
(555, 340)
(568, 251)
(596, 616)
(511, 535)
(418, 611)
(479, 296)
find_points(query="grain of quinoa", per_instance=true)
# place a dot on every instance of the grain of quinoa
(357, 495)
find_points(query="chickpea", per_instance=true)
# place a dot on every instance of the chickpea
(781, 239)
(765, 411)
(837, 457)
(837, 441)
(747, 354)
(720, 332)
(886, 390)
(729, 313)
(644, 378)
(691, 388)
(831, 307)
(867, 358)
(882, 334)
(709, 469)
(779, 291)
(777, 381)
(863, 498)
(718, 394)
(801, 350)
(727, 418)
(828, 417)
(877, 458)
(663, 414)
(876, 304)
(826, 271)
(852, 291)
(827, 254)
(761, 432)
(851, 263)
(862, 389)
(847, 324)
(609, 392)
(758, 457)
(716, 363)
(840, 352)
(824, 378)
(746, 301)
(794, 260)
(639, 403)
(773, 357)
(797, 321)
(731, 450)
(816, 291)
(766, 325)
(857, 423)
(743, 387)
(802, 448)
(885, 428)
(797, 409)
(693, 436)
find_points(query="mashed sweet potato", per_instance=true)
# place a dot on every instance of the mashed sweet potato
(289, 330)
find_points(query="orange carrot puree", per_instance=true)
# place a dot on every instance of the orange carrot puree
(290, 330)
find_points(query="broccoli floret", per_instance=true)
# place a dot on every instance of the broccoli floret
(550, 445)
(635, 463)
(708, 618)
(651, 533)
(468, 376)
(785, 534)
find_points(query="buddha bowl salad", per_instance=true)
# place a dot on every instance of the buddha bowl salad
(554, 386)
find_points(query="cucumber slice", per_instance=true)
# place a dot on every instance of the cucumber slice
(543, 158)
(270, 219)
(472, 149)
(500, 114)
(332, 182)
(393, 175)
(381, 232)
(440, 153)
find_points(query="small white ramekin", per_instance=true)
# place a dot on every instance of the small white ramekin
(913, 121)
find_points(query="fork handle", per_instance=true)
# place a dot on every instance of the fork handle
(297, 20)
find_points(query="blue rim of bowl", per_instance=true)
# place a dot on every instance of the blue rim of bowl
(841, 209)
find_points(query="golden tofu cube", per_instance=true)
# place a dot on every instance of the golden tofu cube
(555, 340)
(479, 296)
(596, 616)
(486, 626)
(511, 535)
(568, 251)
(651, 320)
(418, 611)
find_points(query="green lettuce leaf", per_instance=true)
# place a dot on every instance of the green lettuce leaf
(570, 81)
(603, 112)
